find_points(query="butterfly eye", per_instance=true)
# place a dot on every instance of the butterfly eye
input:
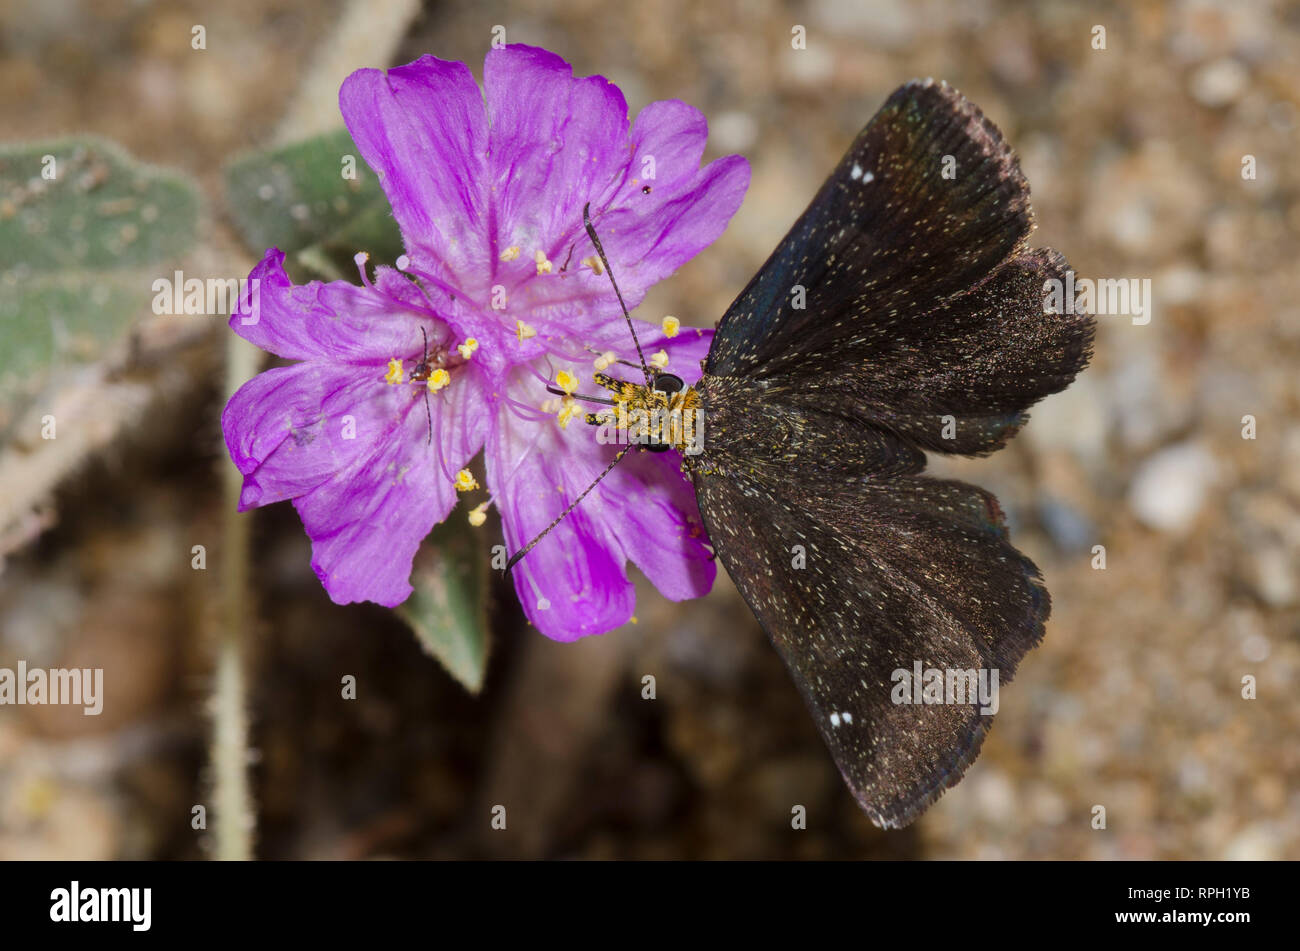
(667, 383)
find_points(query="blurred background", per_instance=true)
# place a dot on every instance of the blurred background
(1135, 154)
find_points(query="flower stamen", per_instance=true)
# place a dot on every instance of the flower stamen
(568, 410)
(394, 374)
(478, 515)
(566, 381)
(361, 257)
(465, 481)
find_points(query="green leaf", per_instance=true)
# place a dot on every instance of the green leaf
(296, 198)
(84, 231)
(100, 211)
(448, 610)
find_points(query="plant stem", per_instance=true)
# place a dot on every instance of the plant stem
(365, 31)
(232, 800)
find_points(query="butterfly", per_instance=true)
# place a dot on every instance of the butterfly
(902, 314)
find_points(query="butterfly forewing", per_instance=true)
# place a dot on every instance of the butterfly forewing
(927, 202)
(959, 379)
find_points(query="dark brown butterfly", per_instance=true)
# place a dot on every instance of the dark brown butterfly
(902, 313)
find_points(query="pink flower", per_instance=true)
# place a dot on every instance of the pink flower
(500, 279)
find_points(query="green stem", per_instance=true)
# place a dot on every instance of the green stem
(232, 799)
(365, 32)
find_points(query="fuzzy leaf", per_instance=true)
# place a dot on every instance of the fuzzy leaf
(84, 231)
(296, 198)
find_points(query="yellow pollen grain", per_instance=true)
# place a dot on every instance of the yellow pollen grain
(438, 379)
(510, 253)
(465, 481)
(478, 514)
(394, 374)
(659, 359)
(543, 265)
(566, 381)
(671, 325)
(468, 347)
(602, 362)
(593, 262)
(523, 331)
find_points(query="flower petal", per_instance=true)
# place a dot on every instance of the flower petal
(291, 428)
(645, 236)
(422, 128)
(367, 521)
(646, 244)
(572, 584)
(658, 523)
(668, 139)
(556, 143)
(335, 322)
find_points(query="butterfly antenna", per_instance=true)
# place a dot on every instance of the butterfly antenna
(514, 559)
(591, 233)
(578, 396)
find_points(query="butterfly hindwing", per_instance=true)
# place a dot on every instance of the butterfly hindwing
(858, 580)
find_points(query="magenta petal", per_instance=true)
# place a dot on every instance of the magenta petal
(658, 524)
(291, 428)
(367, 521)
(423, 130)
(367, 524)
(336, 322)
(557, 143)
(673, 134)
(572, 584)
(646, 244)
